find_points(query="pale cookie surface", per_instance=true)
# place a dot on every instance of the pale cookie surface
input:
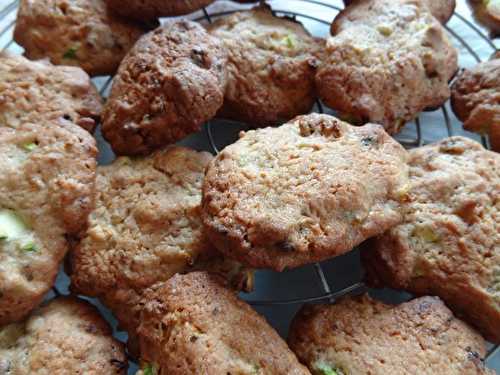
(152, 9)
(449, 242)
(169, 84)
(271, 67)
(308, 190)
(47, 173)
(192, 324)
(358, 335)
(475, 99)
(34, 90)
(385, 62)
(67, 336)
(78, 32)
(146, 227)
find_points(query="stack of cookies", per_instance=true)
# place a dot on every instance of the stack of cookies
(166, 236)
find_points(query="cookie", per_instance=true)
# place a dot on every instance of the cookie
(449, 241)
(192, 324)
(65, 336)
(47, 173)
(146, 227)
(78, 32)
(358, 335)
(296, 194)
(442, 10)
(386, 61)
(271, 67)
(475, 99)
(169, 84)
(488, 14)
(152, 9)
(34, 90)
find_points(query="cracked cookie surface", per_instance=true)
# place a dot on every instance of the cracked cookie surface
(169, 84)
(449, 241)
(306, 191)
(358, 335)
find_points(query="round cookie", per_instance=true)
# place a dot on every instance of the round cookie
(283, 197)
(34, 90)
(146, 227)
(192, 324)
(168, 85)
(47, 174)
(271, 67)
(152, 9)
(358, 335)
(442, 9)
(65, 336)
(449, 241)
(475, 99)
(76, 32)
(386, 61)
(487, 12)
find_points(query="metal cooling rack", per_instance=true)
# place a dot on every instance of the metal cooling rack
(473, 45)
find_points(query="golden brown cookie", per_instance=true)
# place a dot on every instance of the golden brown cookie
(449, 242)
(192, 324)
(146, 227)
(441, 9)
(475, 99)
(152, 9)
(47, 173)
(34, 90)
(487, 12)
(358, 335)
(386, 61)
(65, 336)
(306, 191)
(76, 32)
(169, 84)
(271, 67)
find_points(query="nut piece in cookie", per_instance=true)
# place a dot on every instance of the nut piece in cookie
(475, 99)
(441, 9)
(146, 227)
(271, 67)
(76, 32)
(487, 12)
(358, 335)
(386, 61)
(64, 336)
(192, 324)
(47, 173)
(306, 191)
(35, 90)
(153, 9)
(168, 85)
(449, 241)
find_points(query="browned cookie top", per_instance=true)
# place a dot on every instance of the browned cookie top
(152, 9)
(475, 99)
(171, 82)
(449, 242)
(146, 227)
(75, 32)
(47, 173)
(362, 336)
(34, 90)
(305, 191)
(65, 336)
(385, 62)
(192, 324)
(271, 67)
(487, 12)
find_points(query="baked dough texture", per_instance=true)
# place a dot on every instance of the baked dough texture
(358, 335)
(308, 190)
(449, 241)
